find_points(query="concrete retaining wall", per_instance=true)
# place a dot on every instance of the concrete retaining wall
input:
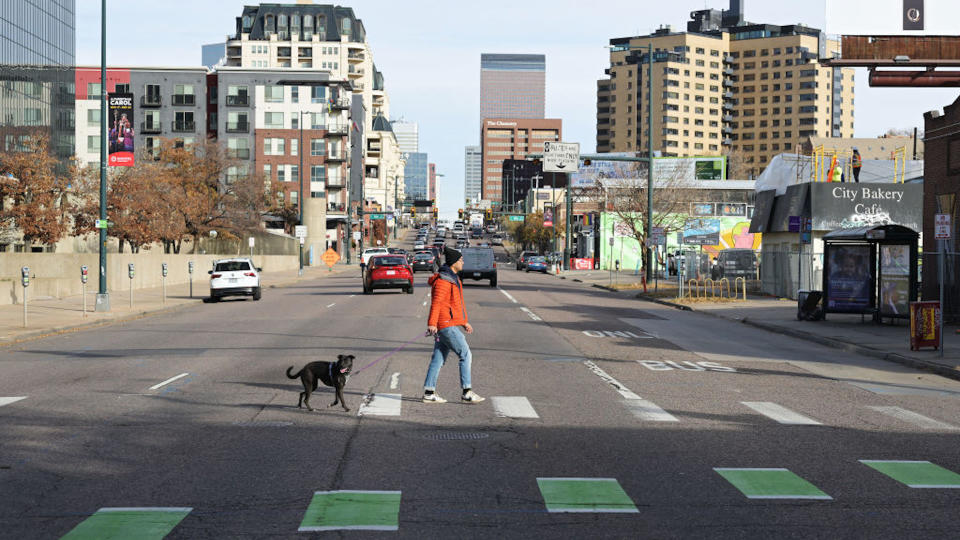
(57, 275)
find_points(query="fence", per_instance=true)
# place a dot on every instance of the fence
(779, 272)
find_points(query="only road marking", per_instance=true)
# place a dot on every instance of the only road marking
(9, 400)
(585, 495)
(381, 405)
(144, 523)
(771, 484)
(352, 510)
(168, 381)
(914, 418)
(780, 413)
(513, 407)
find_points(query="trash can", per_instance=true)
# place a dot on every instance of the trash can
(808, 305)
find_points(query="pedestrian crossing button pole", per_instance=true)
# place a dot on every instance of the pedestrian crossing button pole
(84, 276)
(25, 277)
(190, 271)
(130, 273)
(163, 281)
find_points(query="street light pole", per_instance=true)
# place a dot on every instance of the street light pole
(300, 198)
(103, 297)
(396, 216)
(649, 235)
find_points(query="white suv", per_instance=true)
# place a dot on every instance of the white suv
(370, 252)
(234, 277)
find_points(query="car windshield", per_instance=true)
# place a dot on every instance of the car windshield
(233, 266)
(389, 261)
(538, 259)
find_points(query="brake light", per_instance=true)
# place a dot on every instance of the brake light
(494, 264)
(249, 274)
(215, 275)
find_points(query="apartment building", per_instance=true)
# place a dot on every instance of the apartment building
(169, 103)
(384, 180)
(726, 87)
(304, 36)
(511, 138)
(512, 85)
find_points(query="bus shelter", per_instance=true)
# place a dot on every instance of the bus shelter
(870, 270)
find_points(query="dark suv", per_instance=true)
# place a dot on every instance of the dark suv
(737, 262)
(478, 264)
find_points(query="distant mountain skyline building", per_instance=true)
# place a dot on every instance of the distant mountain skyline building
(512, 86)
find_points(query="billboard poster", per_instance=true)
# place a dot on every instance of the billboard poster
(702, 232)
(547, 216)
(120, 130)
(894, 280)
(849, 283)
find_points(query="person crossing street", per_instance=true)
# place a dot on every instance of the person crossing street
(448, 323)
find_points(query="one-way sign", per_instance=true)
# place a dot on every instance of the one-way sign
(561, 157)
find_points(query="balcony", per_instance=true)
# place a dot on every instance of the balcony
(727, 106)
(335, 182)
(150, 127)
(184, 99)
(150, 101)
(336, 208)
(355, 73)
(355, 57)
(283, 52)
(241, 100)
(336, 131)
(728, 71)
(340, 104)
(728, 118)
(238, 127)
(336, 158)
(183, 126)
(234, 51)
(728, 83)
(727, 129)
(728, 59)
(727, 141)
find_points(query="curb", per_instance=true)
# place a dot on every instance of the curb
(674, 305)
(57, 330)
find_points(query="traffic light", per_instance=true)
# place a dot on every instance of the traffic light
(460, 213)
(586, 163)
(435, 213)
(413, 212)
(489, 213)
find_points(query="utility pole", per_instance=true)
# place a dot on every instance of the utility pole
(300, 198)
(396, 215)
(649, 235)
(103, 297)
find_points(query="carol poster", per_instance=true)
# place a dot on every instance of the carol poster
(120, 130)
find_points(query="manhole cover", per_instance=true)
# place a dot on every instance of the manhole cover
(454, 436)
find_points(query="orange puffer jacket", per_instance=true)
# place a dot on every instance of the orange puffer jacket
(446, 305)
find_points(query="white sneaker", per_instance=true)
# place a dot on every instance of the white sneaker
(471, 397)
(433, 398)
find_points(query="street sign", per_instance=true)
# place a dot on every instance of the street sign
(516, 218)
(250, 241)
(561, 157)
(330, 257)
(610, 240)
(300, 231)
(375, 217)
(941, 226)
(794, 224)
(102, 223)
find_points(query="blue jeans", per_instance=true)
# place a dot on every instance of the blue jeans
(449, 339)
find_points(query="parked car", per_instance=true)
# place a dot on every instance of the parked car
(738, 262)
(388, 272)
(537, 264)
(478, 263)
(424, 260)
(234, 277)
(497, 239)
(522, 261)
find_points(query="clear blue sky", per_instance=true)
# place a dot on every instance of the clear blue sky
(429, 53)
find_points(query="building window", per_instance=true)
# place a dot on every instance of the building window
(294, 146)
(268, 172)
(273, 147)
(273, 120)
(93, 90)
(294, 173)
(238, 148)
(318, 173)
(93, 143)
(295, 94)
(237, 95)
(273, 93)
(281, 173)
(317, 147)
(318, 94)
(93, 117)
(121, 88)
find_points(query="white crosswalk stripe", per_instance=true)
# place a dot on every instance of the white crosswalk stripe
(9, 400)
(381, 405)
(513, 407)
(916, 419)
(780, 413)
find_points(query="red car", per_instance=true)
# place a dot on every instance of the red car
(388, 272)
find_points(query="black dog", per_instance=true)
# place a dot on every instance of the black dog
(333, 374)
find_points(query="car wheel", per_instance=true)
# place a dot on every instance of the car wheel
(214, 298)
(493, 282)
(410, 289)
(257, 294)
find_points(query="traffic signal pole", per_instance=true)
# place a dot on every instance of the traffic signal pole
(103, 297)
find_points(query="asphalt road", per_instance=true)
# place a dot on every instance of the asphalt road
(675, 425)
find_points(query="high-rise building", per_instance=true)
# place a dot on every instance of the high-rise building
(472, 172)
(432, 181)
(511, 138)
(417, 175)
(37, 61)
(408, 135)
(512, 85)
(724, 87)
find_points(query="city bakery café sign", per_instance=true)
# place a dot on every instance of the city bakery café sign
(843, 206)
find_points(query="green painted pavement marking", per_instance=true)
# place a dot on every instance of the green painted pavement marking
(771, 484)
(351, 509)
(915, 474)
(584, 495)
(128, 524)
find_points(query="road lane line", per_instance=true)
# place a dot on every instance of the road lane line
(532, 315)
(914, 418)
(394, 381)
(168, 381)
(780, 413)
(331, 305)
(381, 405)
(513, 407)
(505, 293)
(621, 389)
(9, 400)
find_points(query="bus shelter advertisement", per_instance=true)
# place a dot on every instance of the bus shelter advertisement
(121, 131)
(849, 283)
(894, 280)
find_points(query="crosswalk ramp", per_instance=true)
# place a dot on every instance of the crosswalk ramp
(382, 510)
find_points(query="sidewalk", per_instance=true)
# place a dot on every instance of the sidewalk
(53, 316)
(847, 332)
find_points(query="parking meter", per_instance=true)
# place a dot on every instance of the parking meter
(84, 274)
(617, 264)
(190, 267)
(25, 275)
(163, 269)
(130, 270)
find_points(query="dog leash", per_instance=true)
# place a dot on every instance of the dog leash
(389, 354)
